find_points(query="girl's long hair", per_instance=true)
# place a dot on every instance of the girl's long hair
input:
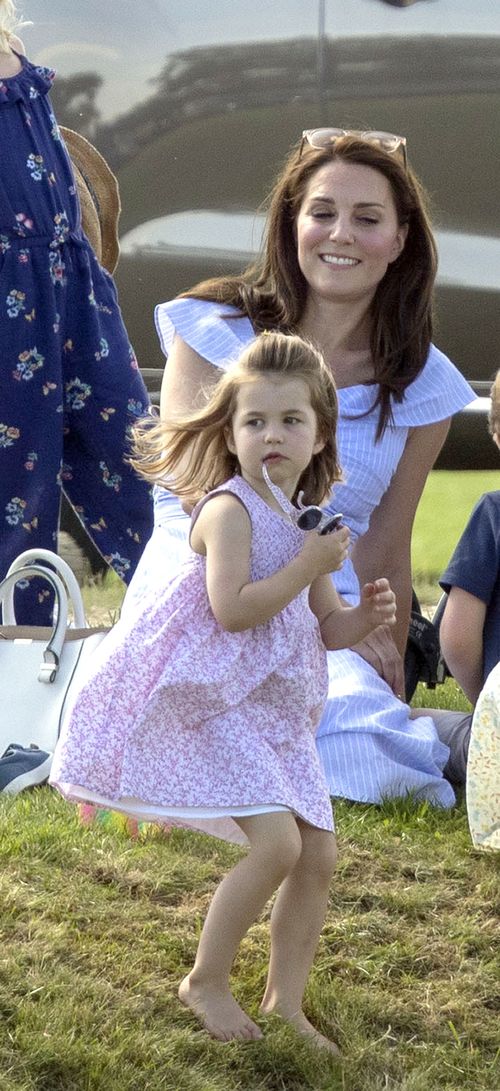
(190, 456)
(273, 291)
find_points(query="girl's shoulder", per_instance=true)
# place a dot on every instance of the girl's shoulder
(235, 486)
(216, 331)
(259, 512)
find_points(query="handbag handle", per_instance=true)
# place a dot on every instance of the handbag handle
(52, 653)
(39, 556)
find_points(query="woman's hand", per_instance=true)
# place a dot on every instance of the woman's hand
(380, 651)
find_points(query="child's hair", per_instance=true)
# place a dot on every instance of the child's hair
(10, 20)
(190, 455)
(494, 413)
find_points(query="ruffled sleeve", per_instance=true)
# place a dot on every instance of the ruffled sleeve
(438, 392)
(32, 81)
(216, 331)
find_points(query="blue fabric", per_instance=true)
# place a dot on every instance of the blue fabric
(70, 387)
(475, 567)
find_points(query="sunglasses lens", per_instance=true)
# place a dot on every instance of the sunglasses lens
(309, 518)
(332, 524)
(389, 142)
(321, 138)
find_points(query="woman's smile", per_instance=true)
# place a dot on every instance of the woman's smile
(347, 224)
(340, 260)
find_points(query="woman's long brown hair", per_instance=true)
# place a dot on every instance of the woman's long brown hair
(273, 291)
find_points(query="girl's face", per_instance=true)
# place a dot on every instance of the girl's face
(274, 422)
(347, 231)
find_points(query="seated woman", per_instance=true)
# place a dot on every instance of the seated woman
(349, 262)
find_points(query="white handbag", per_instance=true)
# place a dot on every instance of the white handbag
(39, 666)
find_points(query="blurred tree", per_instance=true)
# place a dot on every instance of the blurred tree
(74, 99)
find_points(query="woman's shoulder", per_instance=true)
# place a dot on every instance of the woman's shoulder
(27, 80)
(438, 391)
(216, 331)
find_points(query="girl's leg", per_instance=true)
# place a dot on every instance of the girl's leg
(275, 847)
(296, 922)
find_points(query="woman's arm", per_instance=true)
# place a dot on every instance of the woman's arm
(461, 639)
(187, 380)
(223, 532)
(386, 547)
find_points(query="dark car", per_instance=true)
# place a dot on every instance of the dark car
(195, 105)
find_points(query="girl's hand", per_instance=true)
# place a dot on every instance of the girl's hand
(326, 552)
(378, 603)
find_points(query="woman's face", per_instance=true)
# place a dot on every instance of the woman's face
(347, 231)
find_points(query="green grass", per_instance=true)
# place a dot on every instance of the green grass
(97, 929)
(445, 506)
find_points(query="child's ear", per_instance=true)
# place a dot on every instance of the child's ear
(228, 436)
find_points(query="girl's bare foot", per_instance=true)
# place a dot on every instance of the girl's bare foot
(218, 1011)
(302, 1025)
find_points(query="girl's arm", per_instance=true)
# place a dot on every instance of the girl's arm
(342, 626)
(461, 639)
(223, 532)
(386, 547)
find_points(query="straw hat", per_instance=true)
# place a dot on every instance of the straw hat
(99, 197)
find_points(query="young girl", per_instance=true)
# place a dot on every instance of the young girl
(70, 388)
(203, 704)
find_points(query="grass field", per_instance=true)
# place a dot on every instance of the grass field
(444, 509)
(97, 929)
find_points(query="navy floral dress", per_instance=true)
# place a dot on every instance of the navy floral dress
(70, 387)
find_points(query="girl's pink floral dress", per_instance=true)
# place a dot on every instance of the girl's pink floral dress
(184, 721)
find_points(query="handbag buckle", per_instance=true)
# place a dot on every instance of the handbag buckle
(47, 672)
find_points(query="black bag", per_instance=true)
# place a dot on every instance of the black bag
(423, 659)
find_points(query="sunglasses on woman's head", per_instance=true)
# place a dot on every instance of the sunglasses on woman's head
(327, 138)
